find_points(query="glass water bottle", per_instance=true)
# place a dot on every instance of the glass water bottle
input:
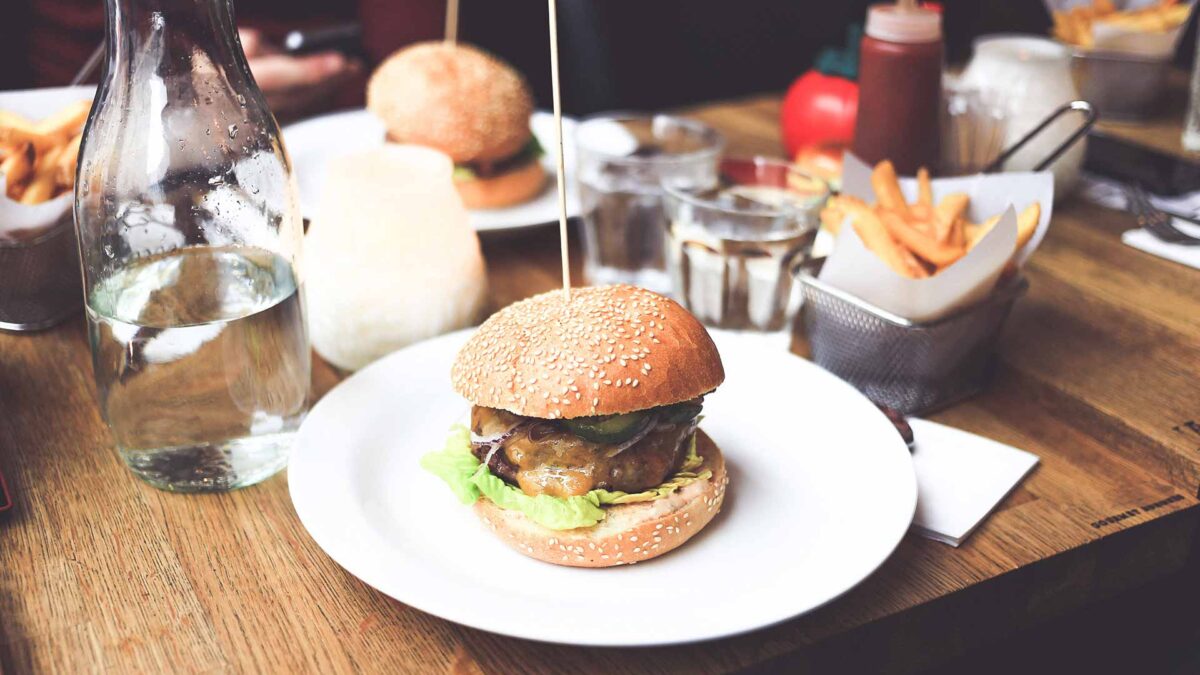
(190, 235)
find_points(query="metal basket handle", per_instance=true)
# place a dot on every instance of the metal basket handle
(1089, 118)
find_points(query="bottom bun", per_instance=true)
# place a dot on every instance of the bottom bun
(518, 184)
(629, 533)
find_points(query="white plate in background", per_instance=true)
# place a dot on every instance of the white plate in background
(313, 142)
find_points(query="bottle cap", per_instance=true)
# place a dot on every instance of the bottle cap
(904, 23)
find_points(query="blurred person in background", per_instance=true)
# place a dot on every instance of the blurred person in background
(44, 43)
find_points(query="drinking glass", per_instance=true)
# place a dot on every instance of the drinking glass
(190, 235)
(625, 162)
(733, 249)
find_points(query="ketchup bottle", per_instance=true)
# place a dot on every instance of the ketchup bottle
(900, 87)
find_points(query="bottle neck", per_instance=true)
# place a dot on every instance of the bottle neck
(172, 37)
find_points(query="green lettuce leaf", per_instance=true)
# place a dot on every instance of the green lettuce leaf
(556, 513)
(469, 479)
(455, 464)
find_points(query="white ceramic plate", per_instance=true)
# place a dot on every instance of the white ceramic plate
(313, 142)
(821, 491)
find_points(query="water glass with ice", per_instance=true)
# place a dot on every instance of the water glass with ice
(733, 249)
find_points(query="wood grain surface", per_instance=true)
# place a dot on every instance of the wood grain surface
(1099, 376)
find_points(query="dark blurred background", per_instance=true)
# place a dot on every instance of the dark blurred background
(628, 54)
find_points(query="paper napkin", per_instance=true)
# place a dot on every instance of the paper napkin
(1110, 193)
(1184, 255)
(961, 478)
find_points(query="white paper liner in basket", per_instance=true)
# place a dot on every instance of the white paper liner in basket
(852, 268)
(25, 222)
(1114, 38)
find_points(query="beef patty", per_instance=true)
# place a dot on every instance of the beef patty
(543, 457)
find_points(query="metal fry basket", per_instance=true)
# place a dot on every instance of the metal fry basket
(912, 367)
(39, 279)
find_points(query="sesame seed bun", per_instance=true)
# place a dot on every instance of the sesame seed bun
(629, 533)
(519, 184)
(610, 350)
(454, 98)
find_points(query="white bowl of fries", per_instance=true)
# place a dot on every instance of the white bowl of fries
(922, 274)
(39, 260)
(40, 132)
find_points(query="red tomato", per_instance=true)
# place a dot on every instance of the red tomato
(819, 109)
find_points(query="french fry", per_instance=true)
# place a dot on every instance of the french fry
(40, 189)
(920, 216)
(16, 130)
(958, 234)
(1027, 222)
(924, 188)
(947, 213)
(17, 167)
(45, 178)
(977, 231)
(925, 247)
(912, 265)
(875, 237)
(1063, 29)
(831, 219)
(67, 162)
(43, 135)
(1075, 26)
(887, 188)
(65, 123)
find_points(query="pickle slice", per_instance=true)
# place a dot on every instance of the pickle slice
(679, 412)
(606, 429)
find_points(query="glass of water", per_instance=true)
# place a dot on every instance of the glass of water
(625, 162)
(190, 236)
(733, 249)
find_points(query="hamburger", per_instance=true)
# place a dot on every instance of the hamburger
(470, 105)
(583, 447)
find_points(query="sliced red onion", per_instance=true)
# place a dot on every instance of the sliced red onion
(496, 438)
(647, 427)
(495, 441)
(487, 461)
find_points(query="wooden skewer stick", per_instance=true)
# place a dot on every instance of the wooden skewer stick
(452, 21)
(558, 151)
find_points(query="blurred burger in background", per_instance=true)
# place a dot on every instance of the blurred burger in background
(470, 105)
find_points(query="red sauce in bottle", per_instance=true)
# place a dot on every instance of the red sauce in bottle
(900, 87)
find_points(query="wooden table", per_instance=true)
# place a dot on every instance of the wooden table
(1099, 375)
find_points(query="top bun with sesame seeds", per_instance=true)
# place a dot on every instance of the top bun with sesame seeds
(455, 98)
(609, 350)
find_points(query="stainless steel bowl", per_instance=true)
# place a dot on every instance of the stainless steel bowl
(1121, 86)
